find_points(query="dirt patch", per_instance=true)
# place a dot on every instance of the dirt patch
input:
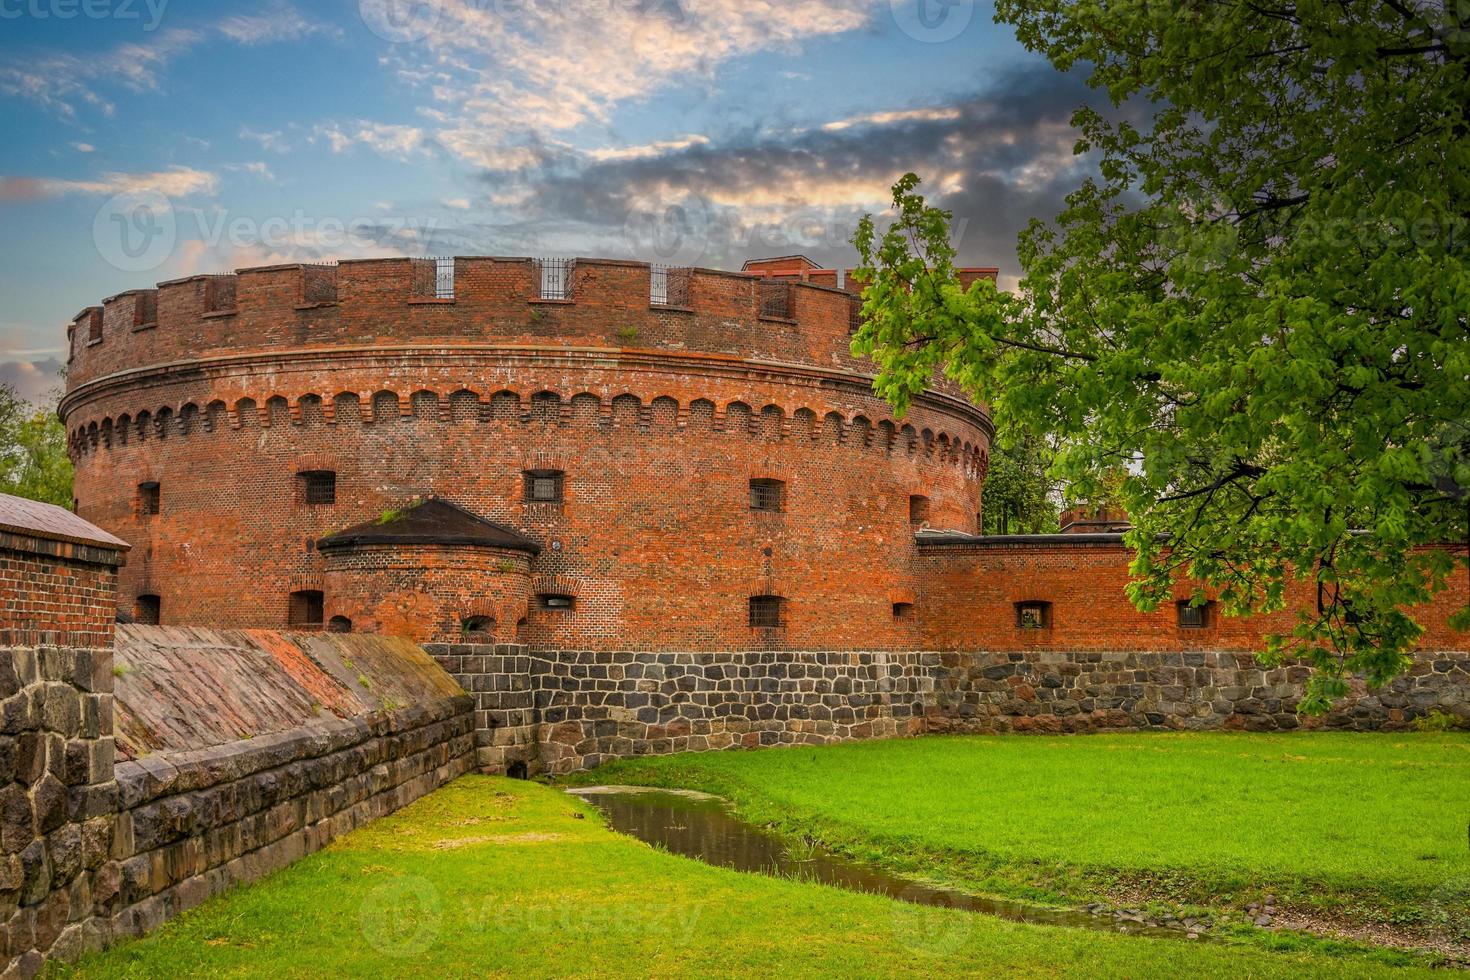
(1377, 934)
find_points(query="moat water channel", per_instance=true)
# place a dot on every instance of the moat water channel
(703, 827)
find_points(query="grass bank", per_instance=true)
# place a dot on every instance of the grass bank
(1349, 829)
(501, 878)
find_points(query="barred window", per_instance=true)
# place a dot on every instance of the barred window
(768, 495)
(554, 278)
(319, 486)
(544, 486)
(668, 286)
(765, 611)
(1033, 615)
(775, 297)
(1192, 617)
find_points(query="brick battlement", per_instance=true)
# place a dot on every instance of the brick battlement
(374, 302)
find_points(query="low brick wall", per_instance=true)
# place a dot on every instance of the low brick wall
(564, 711)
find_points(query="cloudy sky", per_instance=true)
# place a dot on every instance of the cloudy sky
(150, 139)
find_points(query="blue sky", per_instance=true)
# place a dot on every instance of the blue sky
(150, 140)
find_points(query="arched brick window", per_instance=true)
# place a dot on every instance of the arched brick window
(478, 629)
(339, 624)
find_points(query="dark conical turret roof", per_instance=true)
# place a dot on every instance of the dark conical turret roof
(433, 521)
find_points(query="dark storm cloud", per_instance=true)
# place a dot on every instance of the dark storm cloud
(996, 158)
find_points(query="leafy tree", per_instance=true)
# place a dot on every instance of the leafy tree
(1019, 496)
(1258, 308)
(33, 460)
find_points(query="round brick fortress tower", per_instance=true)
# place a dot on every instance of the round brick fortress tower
(590, 455)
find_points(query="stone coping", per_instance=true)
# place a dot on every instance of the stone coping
(167, 773)
(25, 518)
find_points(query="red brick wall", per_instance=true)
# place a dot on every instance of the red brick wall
(968, 594)
(56, 593)
(425, 592)
(658, 440)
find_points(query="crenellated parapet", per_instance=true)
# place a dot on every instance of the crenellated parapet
(597, 303)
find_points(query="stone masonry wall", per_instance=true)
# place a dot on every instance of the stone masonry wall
(192, 824)
(565, 711)
(57, 586)
(1054, 691)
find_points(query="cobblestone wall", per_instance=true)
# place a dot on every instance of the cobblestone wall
(563, 711)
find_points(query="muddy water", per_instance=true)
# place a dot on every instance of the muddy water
(700, 826)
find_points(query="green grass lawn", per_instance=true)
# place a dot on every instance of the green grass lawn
(1366, 827)
(495, 877)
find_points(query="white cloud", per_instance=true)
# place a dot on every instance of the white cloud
(174, 182)
(655, 149)
(278, 22)
(457, 203)
(501, 76)
(889, 118)
(256, 167)
(36, 381)
(60, 83)
(272, 140)
(386, 139)
(83, 147)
